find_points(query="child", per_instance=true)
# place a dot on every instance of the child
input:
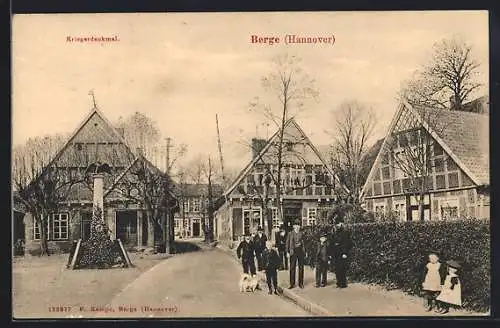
(433, 277)
(271, 262)
(451, 293)
(321, 260)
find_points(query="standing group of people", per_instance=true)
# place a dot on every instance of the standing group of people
(289, 253)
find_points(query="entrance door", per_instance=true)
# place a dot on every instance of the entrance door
(126, 227)
(292, 212)
(86, 219)
(196, 227)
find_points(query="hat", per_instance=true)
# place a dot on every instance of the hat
(282, 227)
(297, 223)
(453, 264)
(323, 234)
(260, 228)
(246, 234)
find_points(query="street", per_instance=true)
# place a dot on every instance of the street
(203, 283)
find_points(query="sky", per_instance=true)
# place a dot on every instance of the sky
(182, 69)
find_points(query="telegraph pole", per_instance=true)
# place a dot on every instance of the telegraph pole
(169, 219)
(167, 159)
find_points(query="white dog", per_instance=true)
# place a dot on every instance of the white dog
(248, 283)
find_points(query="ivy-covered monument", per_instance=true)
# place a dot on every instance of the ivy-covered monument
(136, 205)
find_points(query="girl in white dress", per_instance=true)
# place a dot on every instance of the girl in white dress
(451, 293)
(432, 279)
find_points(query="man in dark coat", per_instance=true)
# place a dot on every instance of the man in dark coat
(271, 262)
(281, 246)
(296, 251)
(342, 245)
(322, 257)
(259, 242)
(246, 253)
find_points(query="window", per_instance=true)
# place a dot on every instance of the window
(289, 146)
(177, 224)
(37, 234)
(311, 215)
(379, 211)
(400, 210)
(449, 209)
(398, 164)
(276, 220)
(453, 180)
(438, 150)
(195, 205)
(60, 226)
(386, 173)
(387, 188)
(396, 185)
(252, 219)
(438, 165)
(185, 206)
(377, 189)
(440, 182)
(450, 165)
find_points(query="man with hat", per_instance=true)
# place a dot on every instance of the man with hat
(321, 259)
(245, 252)
(259, 241)
(342, 245)
(296, 252)
(281, 246)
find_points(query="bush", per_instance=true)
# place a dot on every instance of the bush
(392, 254)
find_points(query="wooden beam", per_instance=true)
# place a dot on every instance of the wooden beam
(125, 254)
(75, 255)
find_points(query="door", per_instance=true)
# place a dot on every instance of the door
(292, 212)
(196, 227)
(126, 227)
(86, 219)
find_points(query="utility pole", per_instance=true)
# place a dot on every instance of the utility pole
(220, 151)
(169, 219)
(167, 159)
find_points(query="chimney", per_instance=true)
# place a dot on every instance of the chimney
(257, 146)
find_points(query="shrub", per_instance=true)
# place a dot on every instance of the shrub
(392, 254)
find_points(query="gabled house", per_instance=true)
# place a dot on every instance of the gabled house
(95, 140)
(309, 187)
(453, 183)
(193, 201)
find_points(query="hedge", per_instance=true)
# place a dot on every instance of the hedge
(392, 254)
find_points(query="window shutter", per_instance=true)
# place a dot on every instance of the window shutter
(304, 212)
(304, 222)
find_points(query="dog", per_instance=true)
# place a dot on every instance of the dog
(248, 283)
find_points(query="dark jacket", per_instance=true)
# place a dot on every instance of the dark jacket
(281, 241)
(293, 241)
(342, 244)
(245, 250)
(259, 243)
(323, 252)
(270, 259)
(443, 272)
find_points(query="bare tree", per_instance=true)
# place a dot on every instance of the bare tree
(140, 131)
(40, 187)
(410, 151)
(450, 76)
(354, 125)
(289, 87)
